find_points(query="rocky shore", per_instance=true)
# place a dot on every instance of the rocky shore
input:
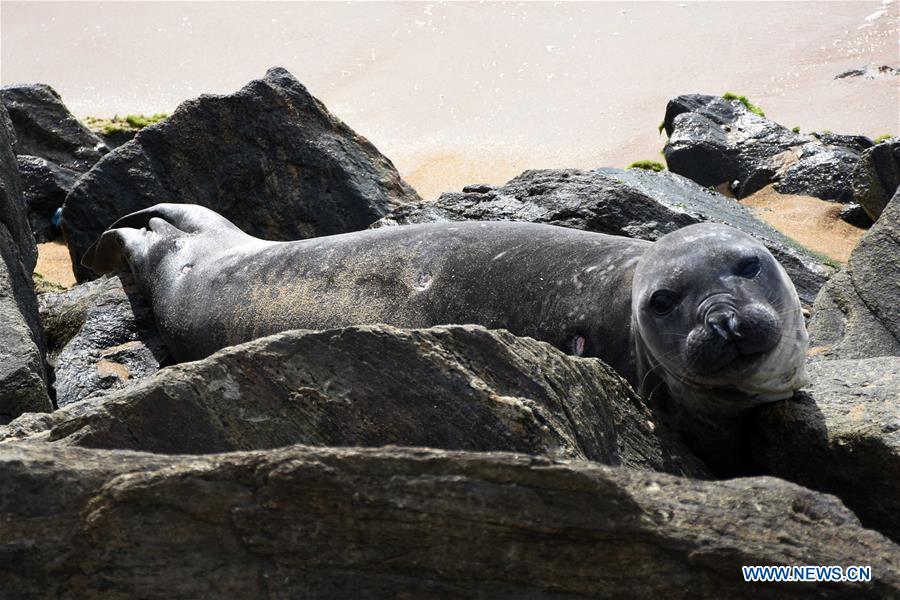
(453, 461)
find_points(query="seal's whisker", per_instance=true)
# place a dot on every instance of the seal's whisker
(659, 362)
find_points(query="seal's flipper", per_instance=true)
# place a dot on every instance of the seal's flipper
(122, 240)
(112, 251)
(190, 218)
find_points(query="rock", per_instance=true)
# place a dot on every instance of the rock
(54, 149)
(856, 215)
(101, 336)
(478, 188)
(457, 387)
(858, 143)
(820, 171)
(44, 188)
(877, 177)
(118, 138)
(851, 73)
(45, 128)
(856, 314)
(23, 379)
(870, 72)
(714, 141)
(270, 158)
(400, 522)
(841, 436)
(634, 202)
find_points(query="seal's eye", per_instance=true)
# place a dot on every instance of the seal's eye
(663, 302)
(748, 268)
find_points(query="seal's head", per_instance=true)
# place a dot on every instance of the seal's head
(716, 316)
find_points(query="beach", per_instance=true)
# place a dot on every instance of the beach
(462, 93)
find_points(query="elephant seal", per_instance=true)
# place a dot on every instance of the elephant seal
(704, 317)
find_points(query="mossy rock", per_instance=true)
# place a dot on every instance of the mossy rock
(743, 100)
(650, 165)
(43, 285)
(117, 124)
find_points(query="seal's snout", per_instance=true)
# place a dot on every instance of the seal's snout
(721, 317)
(730, 332)
(724, 322)
(753, 329)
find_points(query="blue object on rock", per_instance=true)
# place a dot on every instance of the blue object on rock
(56, 221)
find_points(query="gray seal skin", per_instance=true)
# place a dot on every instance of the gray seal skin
(704, 321)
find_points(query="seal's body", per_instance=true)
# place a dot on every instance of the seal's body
(212, 286)
(704, 315)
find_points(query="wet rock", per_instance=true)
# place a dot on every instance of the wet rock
(714, 141)
(877, 177)
(841, 436)
(634, 202)
(460, 388)
(22, 375)
(859, 143)
(400, 522)
(851, 73)
(101, 336)
(44, 188)
(45, 128)
(856, 314)
(870, 72)
(820, 171)
(856, 215)
(270, 158)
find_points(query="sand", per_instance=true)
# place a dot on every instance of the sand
(812, 222)
(458, 93)
(55, 264)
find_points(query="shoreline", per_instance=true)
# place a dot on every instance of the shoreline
(568, 85)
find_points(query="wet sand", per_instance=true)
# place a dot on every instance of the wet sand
(459, 93)
(810, 221)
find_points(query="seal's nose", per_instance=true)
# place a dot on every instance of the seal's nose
(724, 322)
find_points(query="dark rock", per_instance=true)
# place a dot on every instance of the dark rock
(714, 141)
(841, 436)
(634, 202)
(416, 523)
(54, 149)
(851, 73)
(13, 212)
(856, 314)
(820, 171)
(859, 143)
(23, 378)
(877, 177)
(44, 188)
(458, 387)
(478, 188)
(101, 336)
(870, 72)
(45, 127)
(856, 215)
(270, 158)
(118, 138)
